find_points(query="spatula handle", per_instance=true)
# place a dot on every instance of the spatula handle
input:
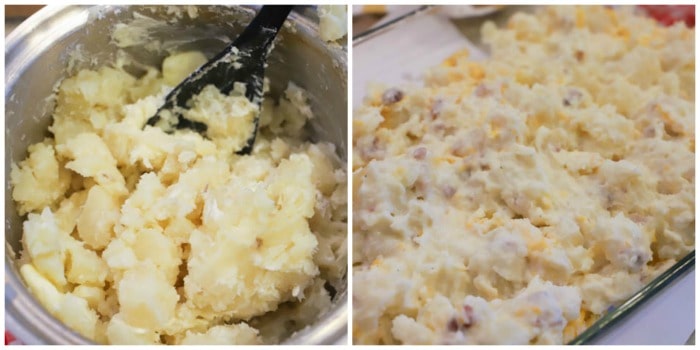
(266, 24)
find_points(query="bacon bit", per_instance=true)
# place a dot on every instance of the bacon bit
(453, 326)
(420, 186)
(482, 91)
(542, 320)
(638, 218)
(461, 149)
(639, 259)
(391, 96)
(572, 97)
(649, 131)
(468, 316)
(420, 153)
(465, 323)
(375, 151)
(436, 109)
(439, 126)
(448, 191)
(579, 55)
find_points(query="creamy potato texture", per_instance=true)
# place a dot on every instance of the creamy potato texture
(135, 236)
(515, 200)
(333, 22)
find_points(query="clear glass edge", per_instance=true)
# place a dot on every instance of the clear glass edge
(607, 321)
(378, 30)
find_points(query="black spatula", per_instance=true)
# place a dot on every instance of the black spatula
(249, 53)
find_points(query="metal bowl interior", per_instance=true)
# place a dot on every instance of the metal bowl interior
(47, 48)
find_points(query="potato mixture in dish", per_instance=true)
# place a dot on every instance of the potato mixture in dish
(515, 200)
(135, 236)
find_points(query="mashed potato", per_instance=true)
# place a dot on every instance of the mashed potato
(333, 22)
(515, 200)
(135, 236)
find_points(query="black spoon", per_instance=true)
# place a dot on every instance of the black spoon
(249, 53)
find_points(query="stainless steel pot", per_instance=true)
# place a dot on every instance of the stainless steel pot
(37, 54)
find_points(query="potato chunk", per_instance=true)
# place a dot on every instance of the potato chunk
(90, 157)
(99, 214)
(43, 242)
(239, 334)
(73, 310)
(85, 267)
(146, 298)
(333, 22)
(78, 315)
(178, 66)
(38, 181)
(120, 332)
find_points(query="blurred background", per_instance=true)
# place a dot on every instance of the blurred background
(366, 17)
(15, 14)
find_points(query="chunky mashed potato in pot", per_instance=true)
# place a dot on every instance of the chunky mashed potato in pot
(136, 236)
(515, 200)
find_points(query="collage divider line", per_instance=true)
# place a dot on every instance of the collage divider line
(349, 171)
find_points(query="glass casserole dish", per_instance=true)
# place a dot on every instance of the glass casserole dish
(398, 52)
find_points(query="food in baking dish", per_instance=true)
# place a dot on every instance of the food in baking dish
(514, 200)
